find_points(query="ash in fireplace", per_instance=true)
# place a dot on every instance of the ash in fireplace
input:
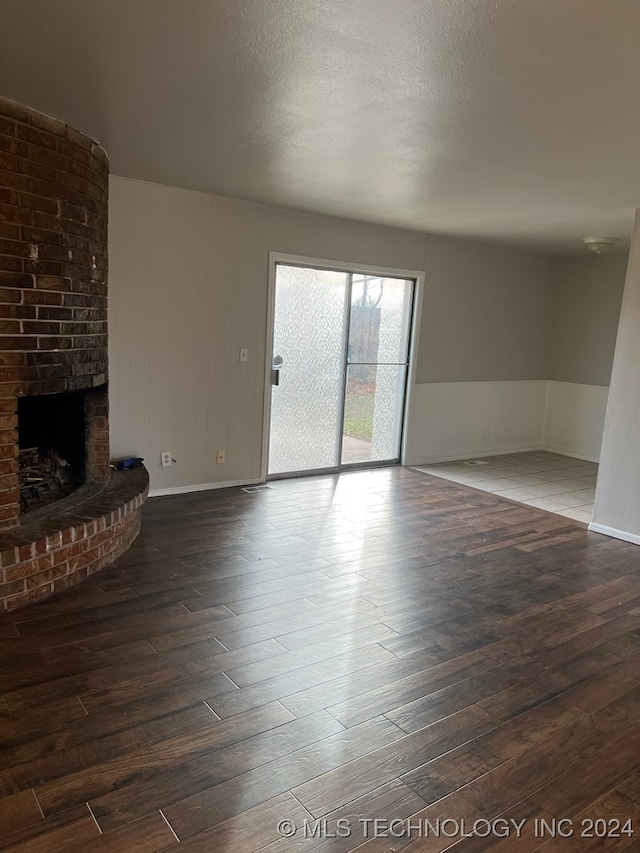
(44, 476)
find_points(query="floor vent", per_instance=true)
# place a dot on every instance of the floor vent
(252, 489)
(476, 462)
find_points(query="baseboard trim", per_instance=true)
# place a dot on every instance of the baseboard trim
(411, 462)
(567, 451)
(470, 454)
(200, 487)
(634, 538)
(497, 451)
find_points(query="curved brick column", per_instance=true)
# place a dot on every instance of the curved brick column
(53, 340)
(53, 280)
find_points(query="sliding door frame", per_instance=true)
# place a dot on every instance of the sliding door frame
(417, 276)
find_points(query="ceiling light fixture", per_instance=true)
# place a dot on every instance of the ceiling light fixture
(600, 244)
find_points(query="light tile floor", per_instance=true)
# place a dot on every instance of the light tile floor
(556, 483)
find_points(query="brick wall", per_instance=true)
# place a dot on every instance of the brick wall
(53, 279)
(96, 408)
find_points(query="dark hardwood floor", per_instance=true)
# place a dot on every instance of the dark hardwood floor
(377, 645)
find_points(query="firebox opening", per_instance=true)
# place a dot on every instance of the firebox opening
(51, 442)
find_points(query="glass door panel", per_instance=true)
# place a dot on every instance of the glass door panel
(373, 412)
(309, 342)
(377, 363)
(380, 319)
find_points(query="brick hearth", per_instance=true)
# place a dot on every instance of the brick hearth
(67, 541)
(53, 339)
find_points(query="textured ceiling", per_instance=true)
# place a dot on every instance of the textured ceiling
(512, 120)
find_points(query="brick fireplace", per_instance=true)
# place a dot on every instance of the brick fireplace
(53, 364)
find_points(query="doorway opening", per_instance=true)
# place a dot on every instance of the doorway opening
(339, 368)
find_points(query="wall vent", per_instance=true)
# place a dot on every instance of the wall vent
(476, 462)
(253, 489)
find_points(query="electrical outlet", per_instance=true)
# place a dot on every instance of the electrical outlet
(165, 458)
(244, 354)
(221, 457)
(485, 433)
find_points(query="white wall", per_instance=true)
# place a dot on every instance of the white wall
(574, 419)
(458, 420)
(484, 360)
(487, 313)
(187, 288)
(617, 504)
(586, 315)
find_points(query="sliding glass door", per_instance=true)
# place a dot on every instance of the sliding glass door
(339, 369)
